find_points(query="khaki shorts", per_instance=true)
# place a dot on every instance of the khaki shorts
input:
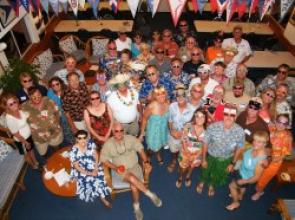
(54, 142)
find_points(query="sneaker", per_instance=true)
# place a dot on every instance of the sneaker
(138, 214)
(156, 200)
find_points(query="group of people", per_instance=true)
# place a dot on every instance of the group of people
(164, 93)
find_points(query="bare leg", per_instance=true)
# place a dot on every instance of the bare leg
(235, 194)
(188, 181)
(180, 177)
(135, 182)
(135, 194)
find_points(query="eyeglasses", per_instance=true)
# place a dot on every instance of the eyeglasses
(95, 98)
(197, 91)
(26, 81)
(282, 122)
(150, 74)
(12, 103)
(160, 51)
(195, 54)
(55, 84)
(119, 131)
(112, 48)
(270, 95)
(229, 115)
(182, 25)
(176, 66)
(282, 72)
(81, 137)
(101, 77)
(238, 88)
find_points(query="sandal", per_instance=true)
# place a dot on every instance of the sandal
(256, 196)
(106, 203)
(199, 188)
(188, 182)
(211, 191)
(232, 207)
(178, 183)
(160, 162)
(171, 167)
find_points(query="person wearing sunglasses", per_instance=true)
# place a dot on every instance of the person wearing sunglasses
(44, 121)
(160, 61)
(237, 96)
(191, 66)
(268, 109)
(180, 113)
(196, 94)
(250, 120)
(55, 91)
(223, 144)
(123, 41)
(183, 30)
(153, 79)
(120, 153)
(87, 170)
(26, 81)
(281, 77)
(154, 124)
(109, 61)
(281, 140)
(176, 74)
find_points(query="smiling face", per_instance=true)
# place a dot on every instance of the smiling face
(118, 131)
(176, 67)
(12, 104)
(281, 93)
(268, 96)
(70, 64)
(36, 97)
(26, 81)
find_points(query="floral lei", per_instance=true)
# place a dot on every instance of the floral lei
(127, 103)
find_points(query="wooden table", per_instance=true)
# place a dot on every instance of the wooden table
(212, 26)
(288, 166)
(93, 25)
(270, 59)
(57, 162)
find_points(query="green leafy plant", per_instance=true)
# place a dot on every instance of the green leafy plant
(9, 80)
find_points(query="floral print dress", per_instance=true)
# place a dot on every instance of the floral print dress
(88, 187)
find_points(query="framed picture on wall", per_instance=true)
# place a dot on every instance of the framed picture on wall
(7, 14)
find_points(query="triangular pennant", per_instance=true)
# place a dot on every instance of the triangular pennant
(266, 6)
(45, 5)
(241, 7)
(15, 5)
(54, 5)
(94, 5)
(153, 6)
(201, 5)
(285, 6)
(114, 5)
(82, 3)
(230, 9)
(176, 8)
(74, 5)
(64, 4)
(213, 5)
(36, 5)
(5, 11)
(253, 6)
(221, 5)
(133, 4)
(195, 5)
(26, 4)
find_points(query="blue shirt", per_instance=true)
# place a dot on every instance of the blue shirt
(23, 96)
(179, 119)
(182, 78)
(134, 50)
(147, 87)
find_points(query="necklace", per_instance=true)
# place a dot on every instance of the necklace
(121, 149)
(124, 102)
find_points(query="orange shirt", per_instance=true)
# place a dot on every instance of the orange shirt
(281, 142)
(212, 53)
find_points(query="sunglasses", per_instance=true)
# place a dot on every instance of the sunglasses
(229, 115)
(95, 98)
(238, 88)
(112, 48)
(182, 25)
(195, 54)
(160, 51)
(282, 122)
(119, 131)
(26, 81)
(176, 66)
(270, 95)
(55, 84)
(282, 72)
(12, 103)
(81, 137)
(150, 74)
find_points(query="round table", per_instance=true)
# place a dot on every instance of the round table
(57, 162)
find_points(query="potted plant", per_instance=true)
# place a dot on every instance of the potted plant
(9, 80)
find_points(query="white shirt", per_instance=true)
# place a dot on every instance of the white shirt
(121, 45)
(19, 125)
(208, 89)
(243, 48)
(124, 108)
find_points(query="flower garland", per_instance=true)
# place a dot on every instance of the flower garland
(127, 103)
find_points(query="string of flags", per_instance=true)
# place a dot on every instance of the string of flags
(176, 6)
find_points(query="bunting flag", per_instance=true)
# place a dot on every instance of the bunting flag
(94, 5)
(45, 5)
(176, 8)
(201, 5)
(266, 6)
(114, 5)
(241, 7)
(133, 4)
(285, 6)
(26, 4)
(15, 5)
(195, 5)
(153, 6)
(54, 5)
(82, 3)
(7, 13)
(221, 5)
(74, 5)
(230, 9)
(36, 5)
(253, 7)
(213, 5)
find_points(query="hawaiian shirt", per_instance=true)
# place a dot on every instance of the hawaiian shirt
(44, 122)
(179, 119)
(104, 94)
(182, 78)
(223, 142)
(147, 87)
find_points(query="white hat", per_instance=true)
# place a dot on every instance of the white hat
(119, 79)
(204, 68)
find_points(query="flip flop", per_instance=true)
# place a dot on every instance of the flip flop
(256, 196)
(211, 191)
(178, 183)
(188, 182)
(232, 207)
(199, 188)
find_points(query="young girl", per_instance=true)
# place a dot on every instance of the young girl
(155, 123)
(192, 142)
(281, 140)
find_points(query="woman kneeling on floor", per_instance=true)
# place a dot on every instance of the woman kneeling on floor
(254, 161)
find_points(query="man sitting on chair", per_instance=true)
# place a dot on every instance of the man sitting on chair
(120, 154)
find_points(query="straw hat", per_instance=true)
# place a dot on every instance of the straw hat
(119, 79)
(204, 68)
(230, 51)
